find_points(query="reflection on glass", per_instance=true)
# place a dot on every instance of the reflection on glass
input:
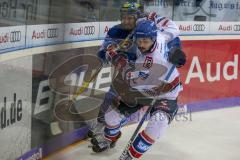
(224, 10)
(192, 10)
(81, 11)
(161, 7)
(206, 10)
(110, 10)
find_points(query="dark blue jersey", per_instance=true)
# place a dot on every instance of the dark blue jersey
(114, 36)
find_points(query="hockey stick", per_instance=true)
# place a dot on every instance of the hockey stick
(125, 151)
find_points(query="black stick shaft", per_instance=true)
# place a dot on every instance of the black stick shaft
(137, 130)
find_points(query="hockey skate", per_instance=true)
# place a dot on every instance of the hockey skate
(100, 143)
(95, 128)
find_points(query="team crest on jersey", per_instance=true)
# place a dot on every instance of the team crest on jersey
(148, 62)
(130, 75)
(143, 75)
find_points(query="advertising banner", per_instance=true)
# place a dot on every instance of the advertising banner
(225, 28)
(211, 71)
(12, 37)
(44, 34)
(193, 27)
(15, 107)
(81, 31)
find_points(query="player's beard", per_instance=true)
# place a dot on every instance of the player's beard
(142, 50)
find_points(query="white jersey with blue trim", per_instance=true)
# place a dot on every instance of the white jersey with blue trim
(168, 27)
(152, 69)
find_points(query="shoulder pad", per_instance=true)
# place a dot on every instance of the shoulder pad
(118, 32)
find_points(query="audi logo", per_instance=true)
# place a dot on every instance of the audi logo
(236, 27)
(199, 27)
(52, 33)
(15, 36)
(89, 30)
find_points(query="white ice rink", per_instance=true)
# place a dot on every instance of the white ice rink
(207, 135)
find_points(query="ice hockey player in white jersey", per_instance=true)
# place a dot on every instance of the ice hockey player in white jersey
(154, 76)
(130, 13)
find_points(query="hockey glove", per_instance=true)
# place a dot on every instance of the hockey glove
(119, 60)
(177, 57)
(112, 47)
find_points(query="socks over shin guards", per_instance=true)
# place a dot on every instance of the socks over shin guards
(112, 133)
(140, 145)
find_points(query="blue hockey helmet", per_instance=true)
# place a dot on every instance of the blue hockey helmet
(146, 29)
